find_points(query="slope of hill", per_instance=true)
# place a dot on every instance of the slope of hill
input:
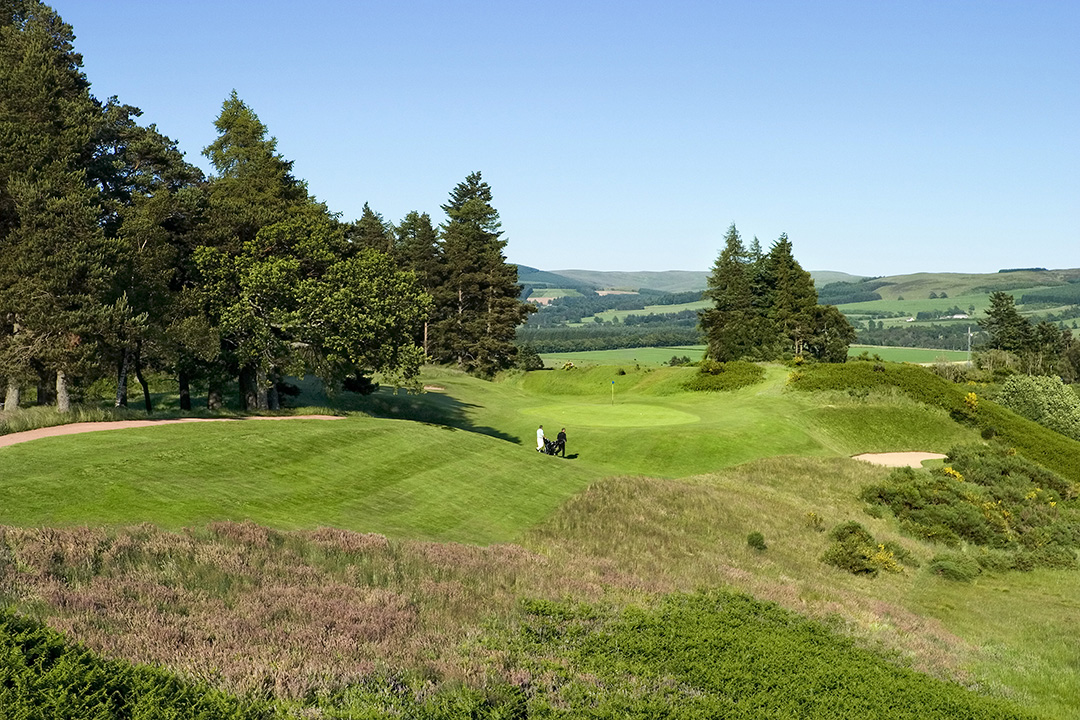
(666, 281)
(656, 501)
(920, 285)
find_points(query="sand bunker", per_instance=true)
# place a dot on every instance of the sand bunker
(76, 428)
(899, 459)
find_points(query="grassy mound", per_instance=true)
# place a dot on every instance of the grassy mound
(1053, 451)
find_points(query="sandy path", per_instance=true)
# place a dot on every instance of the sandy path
(899, 459)
(76, 428)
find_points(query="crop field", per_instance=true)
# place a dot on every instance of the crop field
(429, 548)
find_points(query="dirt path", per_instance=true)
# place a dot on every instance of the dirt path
(899, 459)
(76, 428)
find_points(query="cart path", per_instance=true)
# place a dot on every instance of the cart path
(84, 427)
(895, 459)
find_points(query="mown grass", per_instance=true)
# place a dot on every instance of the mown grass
(625, 356)
(393, 477)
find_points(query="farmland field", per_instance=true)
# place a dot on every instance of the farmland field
(661, 356)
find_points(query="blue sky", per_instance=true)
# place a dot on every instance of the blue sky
(883, 137)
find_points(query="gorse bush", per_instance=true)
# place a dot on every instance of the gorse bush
(717, 376)
(855, 550)
(756, 540)
(989, 498)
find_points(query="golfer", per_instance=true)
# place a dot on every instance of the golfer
(540, 439)
(560, 442)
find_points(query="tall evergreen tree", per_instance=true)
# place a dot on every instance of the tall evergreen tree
(372, 231)
(793, 297)
(477, 305)
(254, 188)
(1007, 328)
(417, 249)
(56, 263)
(729, 324)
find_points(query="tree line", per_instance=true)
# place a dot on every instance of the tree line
(117, 256)
(1035, 349)
(765, 307)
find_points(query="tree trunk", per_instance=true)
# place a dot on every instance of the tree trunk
(460, 313)
(142, 382)
(11, 400)
(214, 395)
(261, 398)
(63, 399)
(249, 399)
(273, 397)
(122, 379)
(185, 390)
(46, 388)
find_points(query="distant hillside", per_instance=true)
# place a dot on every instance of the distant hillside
(824, 277)
(666, 281)
(673, 281)
(920, 285)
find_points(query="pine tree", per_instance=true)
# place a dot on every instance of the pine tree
(254, 189)
(729, 324)
(477, 305)
(793, 297)
(417, 250)
(1007, 328)
(56, 263)
(371, 231)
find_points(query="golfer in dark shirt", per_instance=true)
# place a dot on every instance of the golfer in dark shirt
(560, 442)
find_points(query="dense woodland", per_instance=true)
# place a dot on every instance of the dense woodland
(117, 256)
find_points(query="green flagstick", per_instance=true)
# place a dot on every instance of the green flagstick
(612, 392)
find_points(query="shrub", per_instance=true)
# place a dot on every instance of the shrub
(855, 550)
(756, 540)
(815, 521)
(1045, 400)
(955, 566)
(715, 376)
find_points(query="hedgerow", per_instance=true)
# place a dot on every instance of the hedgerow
(1052, 450)
(717, 376)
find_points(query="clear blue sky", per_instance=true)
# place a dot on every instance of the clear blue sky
(883, 137)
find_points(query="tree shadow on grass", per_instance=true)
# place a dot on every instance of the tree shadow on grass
(435, 408)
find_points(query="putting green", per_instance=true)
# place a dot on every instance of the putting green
(618, 415)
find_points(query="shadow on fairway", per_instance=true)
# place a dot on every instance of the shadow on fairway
(435, 408)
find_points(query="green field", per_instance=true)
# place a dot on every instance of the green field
(911, 355)
(620, 315)
(554, 293)
(657, 496)
(661, 356)
(640, 356)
